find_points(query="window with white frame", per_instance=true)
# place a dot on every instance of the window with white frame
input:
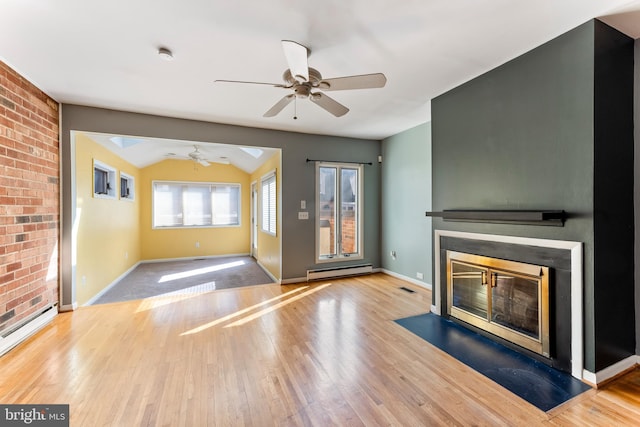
(338, 211)
(268, 206)
(195, 204)
(104, 180)
(127, 187)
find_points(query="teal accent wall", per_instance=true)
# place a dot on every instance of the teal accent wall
(406, 196)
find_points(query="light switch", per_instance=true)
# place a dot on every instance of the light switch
(303, 215)
(303, 204)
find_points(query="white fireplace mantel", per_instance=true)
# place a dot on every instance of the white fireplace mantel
(577, 341)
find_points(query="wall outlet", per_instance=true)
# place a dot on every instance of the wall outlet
(197, 244)
(419, 275)
(393, 254)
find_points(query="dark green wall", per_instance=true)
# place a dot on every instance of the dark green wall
(525, 136)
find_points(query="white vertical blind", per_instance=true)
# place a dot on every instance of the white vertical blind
(269, 203)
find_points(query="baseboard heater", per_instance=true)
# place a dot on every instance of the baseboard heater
(352, 270)
(13, 336)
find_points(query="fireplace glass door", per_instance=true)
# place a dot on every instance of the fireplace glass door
(506, 298)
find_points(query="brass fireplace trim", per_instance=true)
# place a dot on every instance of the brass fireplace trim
(528, 271)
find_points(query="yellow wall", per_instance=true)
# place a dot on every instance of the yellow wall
(180, 243)
(108, 237)
(113, 235)
(269, 253)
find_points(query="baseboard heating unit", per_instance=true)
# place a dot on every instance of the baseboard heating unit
(326, 273)
(29, 326)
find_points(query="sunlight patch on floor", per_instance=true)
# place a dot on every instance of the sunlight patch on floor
(275, 307)
(175, 296)
(198, 271)
(242, 312)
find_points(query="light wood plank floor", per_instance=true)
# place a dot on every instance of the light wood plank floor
(321, 354)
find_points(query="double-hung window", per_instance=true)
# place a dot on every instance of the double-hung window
(338, 211)
(195, 204)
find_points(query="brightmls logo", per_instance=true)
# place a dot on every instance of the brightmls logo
(34, 415)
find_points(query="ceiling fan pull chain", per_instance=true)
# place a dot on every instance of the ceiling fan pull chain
(295, 108)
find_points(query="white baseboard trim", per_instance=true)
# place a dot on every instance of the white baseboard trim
(68, 307)
(610, 371)
(110, 285)
(268, 273)
(25, 331)
(293, 280)
(407, 278)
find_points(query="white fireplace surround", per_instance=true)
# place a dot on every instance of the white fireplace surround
(577, 342)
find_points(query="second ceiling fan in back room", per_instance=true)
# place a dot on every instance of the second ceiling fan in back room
(307, 83)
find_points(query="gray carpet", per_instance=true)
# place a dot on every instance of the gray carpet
(188, 276)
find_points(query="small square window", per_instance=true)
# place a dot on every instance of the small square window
(104, 178)
(127, 186)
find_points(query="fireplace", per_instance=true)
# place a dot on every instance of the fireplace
(506, 298)
(525, 293)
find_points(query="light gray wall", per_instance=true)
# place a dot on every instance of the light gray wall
(298, 176)
(406, 195)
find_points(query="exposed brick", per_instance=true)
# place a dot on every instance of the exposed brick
(29, 196)
(4, 101)
(6, 316)
(13, 266)
(22, 219)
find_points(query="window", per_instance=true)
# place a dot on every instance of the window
(338, 211)
(127, 187)
(269, 203)
(104, 180)
(195, 204)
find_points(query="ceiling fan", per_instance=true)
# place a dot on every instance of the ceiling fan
(306, 82)
(197, 156)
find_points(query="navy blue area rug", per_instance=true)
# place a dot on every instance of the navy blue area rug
(535, 382)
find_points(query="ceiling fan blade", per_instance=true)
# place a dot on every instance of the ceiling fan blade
(203, 162)
(250, 83)
(279, 105)
(329, 104)
(297, 55)
(364, 81)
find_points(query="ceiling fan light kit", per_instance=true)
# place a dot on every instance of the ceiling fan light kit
(165, 54)
(302, 79)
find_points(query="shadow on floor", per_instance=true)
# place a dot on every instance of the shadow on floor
(186, 276)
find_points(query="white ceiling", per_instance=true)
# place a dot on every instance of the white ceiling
(104, 53)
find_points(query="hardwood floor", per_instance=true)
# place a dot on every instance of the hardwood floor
(325, 353)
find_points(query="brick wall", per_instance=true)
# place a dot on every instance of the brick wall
(29, 199)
